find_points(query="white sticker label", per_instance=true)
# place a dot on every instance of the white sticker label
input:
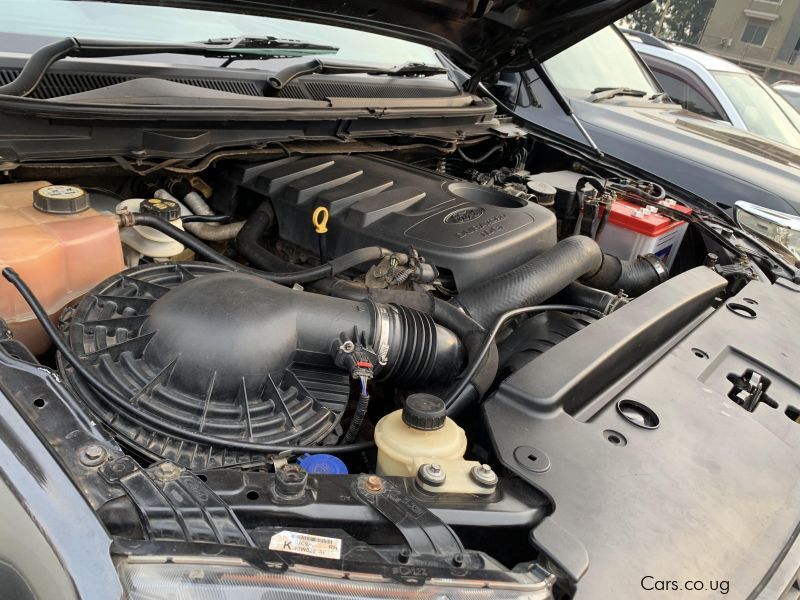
(303, 543)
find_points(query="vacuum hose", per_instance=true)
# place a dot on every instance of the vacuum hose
(370, 254)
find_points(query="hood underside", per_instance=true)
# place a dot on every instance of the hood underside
(481, 36)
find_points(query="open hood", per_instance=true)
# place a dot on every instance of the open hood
(481, 36)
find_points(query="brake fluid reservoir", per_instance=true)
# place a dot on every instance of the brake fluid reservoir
(60, 246)
(419, 433)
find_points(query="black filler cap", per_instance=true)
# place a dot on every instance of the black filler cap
(425, 412)
(163, 209)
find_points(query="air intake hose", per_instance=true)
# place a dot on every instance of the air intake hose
(634, 277)
(240, 325)
(535, 281)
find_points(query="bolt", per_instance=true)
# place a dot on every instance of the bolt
(484, 475)
(373, 484)
(404, 556)
(432, 474)
(167, 471)
(711, 260)
(93, 455)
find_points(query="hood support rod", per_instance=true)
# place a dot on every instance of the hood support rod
(563, 103)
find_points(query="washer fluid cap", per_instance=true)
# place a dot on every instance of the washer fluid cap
(60, 199)
(322, 464)
(424, 412)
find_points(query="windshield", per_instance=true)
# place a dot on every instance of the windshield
(603, 60)
(762, 110)
(26, 25)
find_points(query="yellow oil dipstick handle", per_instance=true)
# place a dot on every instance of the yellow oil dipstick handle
(319, 218)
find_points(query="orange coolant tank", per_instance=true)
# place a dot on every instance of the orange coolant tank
(62, 249)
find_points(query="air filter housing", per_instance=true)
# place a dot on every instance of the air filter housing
(150, 337)
(227, 360)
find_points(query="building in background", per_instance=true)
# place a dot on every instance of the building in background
(762, 35)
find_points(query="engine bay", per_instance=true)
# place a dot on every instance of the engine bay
(262, 325)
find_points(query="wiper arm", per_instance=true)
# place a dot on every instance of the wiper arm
(230, 48)
(606, 93)
(280, 79)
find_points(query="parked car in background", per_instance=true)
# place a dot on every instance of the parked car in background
(790, 91)
(719, 89)
(636, 129)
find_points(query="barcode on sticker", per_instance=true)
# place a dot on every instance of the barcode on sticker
(304, 543)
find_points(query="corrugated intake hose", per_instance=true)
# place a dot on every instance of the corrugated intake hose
(634, 277)
(471, 333)
(535, 281)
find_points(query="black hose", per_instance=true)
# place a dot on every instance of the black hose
(36, 67)
(454, 400)
(480, 159)
(535, 281)
(583, 295)
(129, 408)
(337, 265)
(634, 277)
(247, 241)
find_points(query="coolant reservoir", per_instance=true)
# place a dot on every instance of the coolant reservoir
(60, 247)
(420, 433)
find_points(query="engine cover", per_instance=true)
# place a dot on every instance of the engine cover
(474, 232)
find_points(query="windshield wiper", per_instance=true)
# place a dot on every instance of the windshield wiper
(280, 79)
(253, 48)
(606, 93)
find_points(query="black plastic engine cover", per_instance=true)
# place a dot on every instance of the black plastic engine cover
(473, 231)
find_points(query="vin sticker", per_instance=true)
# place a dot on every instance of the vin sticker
(303, 543)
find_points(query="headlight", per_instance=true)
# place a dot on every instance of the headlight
(194, 578)
(778, 227)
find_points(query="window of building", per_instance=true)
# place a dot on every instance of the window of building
(755, 32)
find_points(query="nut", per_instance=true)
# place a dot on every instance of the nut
(290, 481)
(484, 475)
(373, 484)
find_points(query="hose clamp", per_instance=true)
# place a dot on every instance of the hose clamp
(384, 327)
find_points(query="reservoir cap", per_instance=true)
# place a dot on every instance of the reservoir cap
(167, 210)
(425, 412)
(60, 199)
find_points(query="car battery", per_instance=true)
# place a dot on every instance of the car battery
(634, 230)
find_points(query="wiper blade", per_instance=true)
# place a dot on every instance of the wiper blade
(280, 79)
(600, 94)
(230, 48)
